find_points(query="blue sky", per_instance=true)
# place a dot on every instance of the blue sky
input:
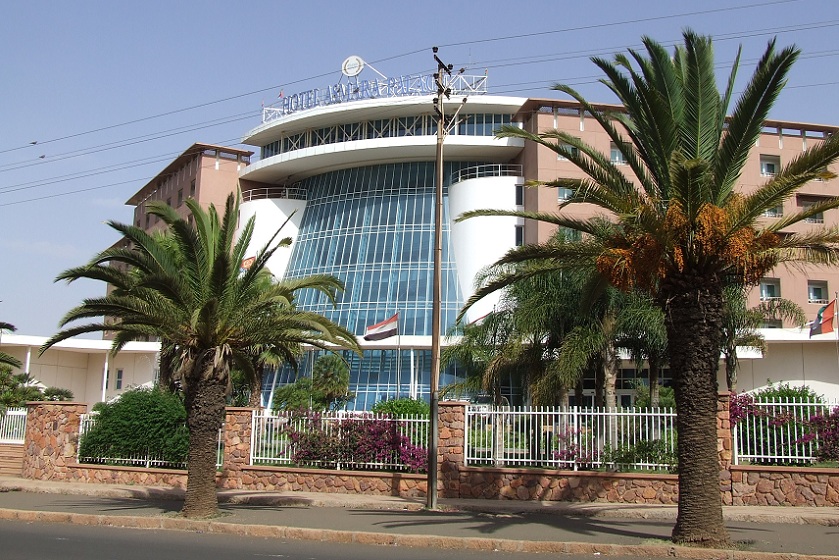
(111, 91)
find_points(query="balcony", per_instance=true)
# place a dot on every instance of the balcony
(486, 170)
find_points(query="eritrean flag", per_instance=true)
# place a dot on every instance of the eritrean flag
(823, 323)
(385, 329)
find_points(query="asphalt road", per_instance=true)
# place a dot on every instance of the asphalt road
(58, 541)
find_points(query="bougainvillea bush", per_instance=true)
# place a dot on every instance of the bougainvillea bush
(366, 442)
(825, 428)
(774, 424)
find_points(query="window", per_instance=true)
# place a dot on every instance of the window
(148, 221)
(564, 194)
(119, 379)
(770, 288)
(519, 236)
(180, 197)
(519, 195)
(817, 218)
(769, 165)
(192, 189)
(615, 155)
(772, 324)
(816, 291)
(574, 151)
(774, 212)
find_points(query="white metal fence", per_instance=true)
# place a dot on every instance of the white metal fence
(571, 437)
(777, 432)
(12, 425)
(340, 440)
(148, 460)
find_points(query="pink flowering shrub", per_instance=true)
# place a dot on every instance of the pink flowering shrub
(365, 442)
(826, 429)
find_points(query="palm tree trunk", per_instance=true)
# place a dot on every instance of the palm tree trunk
(693, 314)
(255, 397)
(655, 370)
(204, 409)
(731, 371)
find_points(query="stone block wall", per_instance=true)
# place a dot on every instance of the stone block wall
(784, 486)
(374, 483)
(236, 443)
(52, 437)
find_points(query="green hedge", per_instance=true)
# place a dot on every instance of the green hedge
(142, 422)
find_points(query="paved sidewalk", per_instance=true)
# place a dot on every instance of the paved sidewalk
(589, 528)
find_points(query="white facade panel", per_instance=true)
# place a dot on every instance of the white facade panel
(271, 215)
(479, 242)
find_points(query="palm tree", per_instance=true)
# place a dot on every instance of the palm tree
(681, 231)
(7, 359)
(331, 378)
(191, 293)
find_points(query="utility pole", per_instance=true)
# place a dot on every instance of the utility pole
(443, 91)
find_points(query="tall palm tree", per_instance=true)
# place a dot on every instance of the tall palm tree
(681, 231)
(191, 293)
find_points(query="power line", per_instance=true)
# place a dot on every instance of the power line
(761, 5)
(504, 62)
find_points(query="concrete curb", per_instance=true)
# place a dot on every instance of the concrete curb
(390, 539)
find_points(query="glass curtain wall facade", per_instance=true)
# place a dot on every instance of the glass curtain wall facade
(373, 227)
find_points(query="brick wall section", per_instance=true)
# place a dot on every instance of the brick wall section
(236, 440)
(568, 486)
(51, 437)
(784, 486)
(724, 445)
(451, 447)
(375, 483)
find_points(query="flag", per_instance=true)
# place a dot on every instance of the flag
(823, 322)
(385, 329)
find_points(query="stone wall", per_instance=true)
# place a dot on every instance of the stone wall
(568, 486)
(405, 485)
(784, 486)
(51, 439)
(52, 436)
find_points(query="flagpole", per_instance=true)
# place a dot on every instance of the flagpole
(398, 343)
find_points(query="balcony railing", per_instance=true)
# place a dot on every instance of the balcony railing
(486, 170)
(291, 193)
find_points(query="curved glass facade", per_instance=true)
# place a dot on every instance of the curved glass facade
(373, 227)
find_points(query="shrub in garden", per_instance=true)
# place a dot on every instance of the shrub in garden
(57, 394)
(826, 428)
(403, 406)
(141, 422)
(772, 426)
(650, 452)
(353, 440)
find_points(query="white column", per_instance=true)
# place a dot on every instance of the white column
(105, 378)
(28, 359)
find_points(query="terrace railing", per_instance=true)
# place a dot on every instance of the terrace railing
(12, 425)
(570, 437)
(328, 439)
(777, 432)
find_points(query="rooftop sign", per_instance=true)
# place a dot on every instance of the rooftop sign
(355, 89)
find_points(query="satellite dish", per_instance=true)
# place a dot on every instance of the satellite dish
(352, 66)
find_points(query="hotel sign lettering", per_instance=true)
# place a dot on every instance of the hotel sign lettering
(354, 90)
